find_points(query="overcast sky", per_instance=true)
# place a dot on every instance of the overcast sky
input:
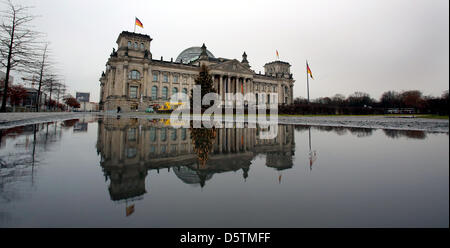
(351, 45)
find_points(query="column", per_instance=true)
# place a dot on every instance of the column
(221, 85)
(189, 84)
(147, 87)
(225, 90)
(228, 139)
(124, 86)
(160, 84)
(220, 137)
(170, 76)
(144, 87)
(111, 83)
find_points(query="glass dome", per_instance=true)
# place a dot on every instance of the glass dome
(191, 54)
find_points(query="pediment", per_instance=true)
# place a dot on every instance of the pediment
(232, 66)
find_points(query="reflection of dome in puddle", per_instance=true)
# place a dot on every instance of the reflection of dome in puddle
(279, 160)
(189, 176)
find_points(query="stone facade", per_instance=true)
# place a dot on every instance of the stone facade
(134, 80)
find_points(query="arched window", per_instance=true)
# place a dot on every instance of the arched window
(185, 91)
(129, 44)
(135, 45)
(154, 92)
(134, 75)
(153, 134)
(142, 46)
(163, 134)
(174, 134)
(174, 90)
(164, 93)
(152, 149)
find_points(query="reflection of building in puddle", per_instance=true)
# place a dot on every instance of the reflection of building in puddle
(130, 147)
(126, 182)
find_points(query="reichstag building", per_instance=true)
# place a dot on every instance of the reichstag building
(134, 80)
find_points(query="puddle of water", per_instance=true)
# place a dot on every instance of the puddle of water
(142, 173)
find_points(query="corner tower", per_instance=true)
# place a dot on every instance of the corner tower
(278, 69)
(134, 45)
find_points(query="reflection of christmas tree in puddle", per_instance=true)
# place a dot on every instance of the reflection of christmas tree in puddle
(202, 141)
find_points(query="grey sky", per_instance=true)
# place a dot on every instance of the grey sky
(351, 45)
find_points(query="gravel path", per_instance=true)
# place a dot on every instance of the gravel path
(8, 120)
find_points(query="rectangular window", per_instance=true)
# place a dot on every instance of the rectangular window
(133, 91)
(175, 79)
(132, 134)
(155, 77)
(173, 148)
(165, 79)
(131, 152)
(154, 93)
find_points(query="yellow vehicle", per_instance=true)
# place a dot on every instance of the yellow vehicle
(168, 107)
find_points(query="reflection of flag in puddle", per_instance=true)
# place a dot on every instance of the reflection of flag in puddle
(130, 210)
(312, 158)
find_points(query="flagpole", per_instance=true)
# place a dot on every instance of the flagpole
(307, 79)
(310, 152)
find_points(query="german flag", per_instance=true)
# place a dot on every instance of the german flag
(309, 70)
(139, 23)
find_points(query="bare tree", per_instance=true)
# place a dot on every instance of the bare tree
(17, 42)
(44, 69)
(61, 89)
(51, 85)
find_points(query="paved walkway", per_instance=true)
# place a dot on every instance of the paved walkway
(23, 118)
(8, 120)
